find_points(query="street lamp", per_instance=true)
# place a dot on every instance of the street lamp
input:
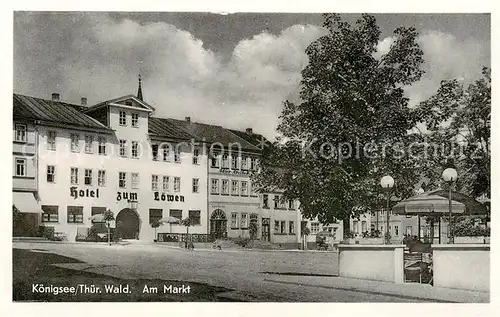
(387, 182)
(450, 176)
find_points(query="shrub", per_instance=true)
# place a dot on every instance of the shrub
(469, 228)
(242, 242)
(47, 232)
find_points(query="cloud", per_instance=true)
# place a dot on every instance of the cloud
(93, 55)
(447, 57)
(100, 58)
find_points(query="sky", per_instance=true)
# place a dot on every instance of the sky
(232, 70)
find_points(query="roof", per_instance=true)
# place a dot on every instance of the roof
(49, 111)
(213, 134)
(141, 102)
(255, 139)
(165, 128)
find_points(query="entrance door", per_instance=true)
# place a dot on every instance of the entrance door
(266, 236)
(218, 224)
(127, 224)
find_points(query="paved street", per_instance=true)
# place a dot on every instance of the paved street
(243, 271)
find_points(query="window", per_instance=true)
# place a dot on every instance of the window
(20, 167)
(234, 220)
(355, 227)
(166, 183)
(244, 188)
(436, 231)
(154, 151)
(291, 227)
(279, 202)
(96, 211)
(364, 226)
(396, 230)
(244, 163)
(102, 145)
(74, 176)
(276, 227)
(50, 213)
(75, 214)
(265, 201)
(123, 118)
(51, 174)
(75, 140)
(154, 183)
(20, 133)
(177, 154)
(89, 141)
(122, 179)
(283, 227)
(196, 182)
(244, 220)
(225, 187)
(134, 180)
(88, 177)
(234, 188)
(135, 120)
(253, 191)
(135, 149)
(176, 213)
(195, 217)
(291, 205)
(155, 215)
(177, 184)
(165, 152)
(101, 178)
(215, 160)
(253, 163)
(196, 156)
(215, 186)
(225, 161)
(51, 140)
(123, 148)
(234, 162)
(314, 227)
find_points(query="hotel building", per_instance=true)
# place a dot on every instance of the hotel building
(71, 162)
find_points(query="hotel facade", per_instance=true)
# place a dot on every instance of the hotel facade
(72, 162)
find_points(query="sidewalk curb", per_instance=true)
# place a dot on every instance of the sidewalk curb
(357, 290)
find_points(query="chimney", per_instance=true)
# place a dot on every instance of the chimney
(84, 101)
(188, 119)
(55, 96)
(249, 131)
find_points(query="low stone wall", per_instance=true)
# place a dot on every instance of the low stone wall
(462, 266)
(471, 240)
(372, 262)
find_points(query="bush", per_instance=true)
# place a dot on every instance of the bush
(242, 242)
(469, 228)
(47, 232)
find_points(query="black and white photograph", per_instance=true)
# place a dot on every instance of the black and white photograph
(251, 157)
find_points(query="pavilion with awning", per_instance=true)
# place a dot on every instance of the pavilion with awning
(27, 219)
(436, 204)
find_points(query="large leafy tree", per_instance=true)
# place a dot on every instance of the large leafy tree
(458, 131)
(352, 121)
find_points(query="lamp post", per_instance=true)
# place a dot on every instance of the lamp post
(387, 182)
(450, 176)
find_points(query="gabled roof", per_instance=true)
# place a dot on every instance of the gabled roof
(144, 105)
(162, 127)
(49, 111)
(213, 134)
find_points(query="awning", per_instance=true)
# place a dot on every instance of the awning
(26, 202)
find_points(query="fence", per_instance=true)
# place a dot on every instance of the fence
(182, 237)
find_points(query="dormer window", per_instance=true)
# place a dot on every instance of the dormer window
(135, 120)
(123, 118)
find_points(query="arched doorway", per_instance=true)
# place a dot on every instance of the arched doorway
(218, 224)
(127, 224)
